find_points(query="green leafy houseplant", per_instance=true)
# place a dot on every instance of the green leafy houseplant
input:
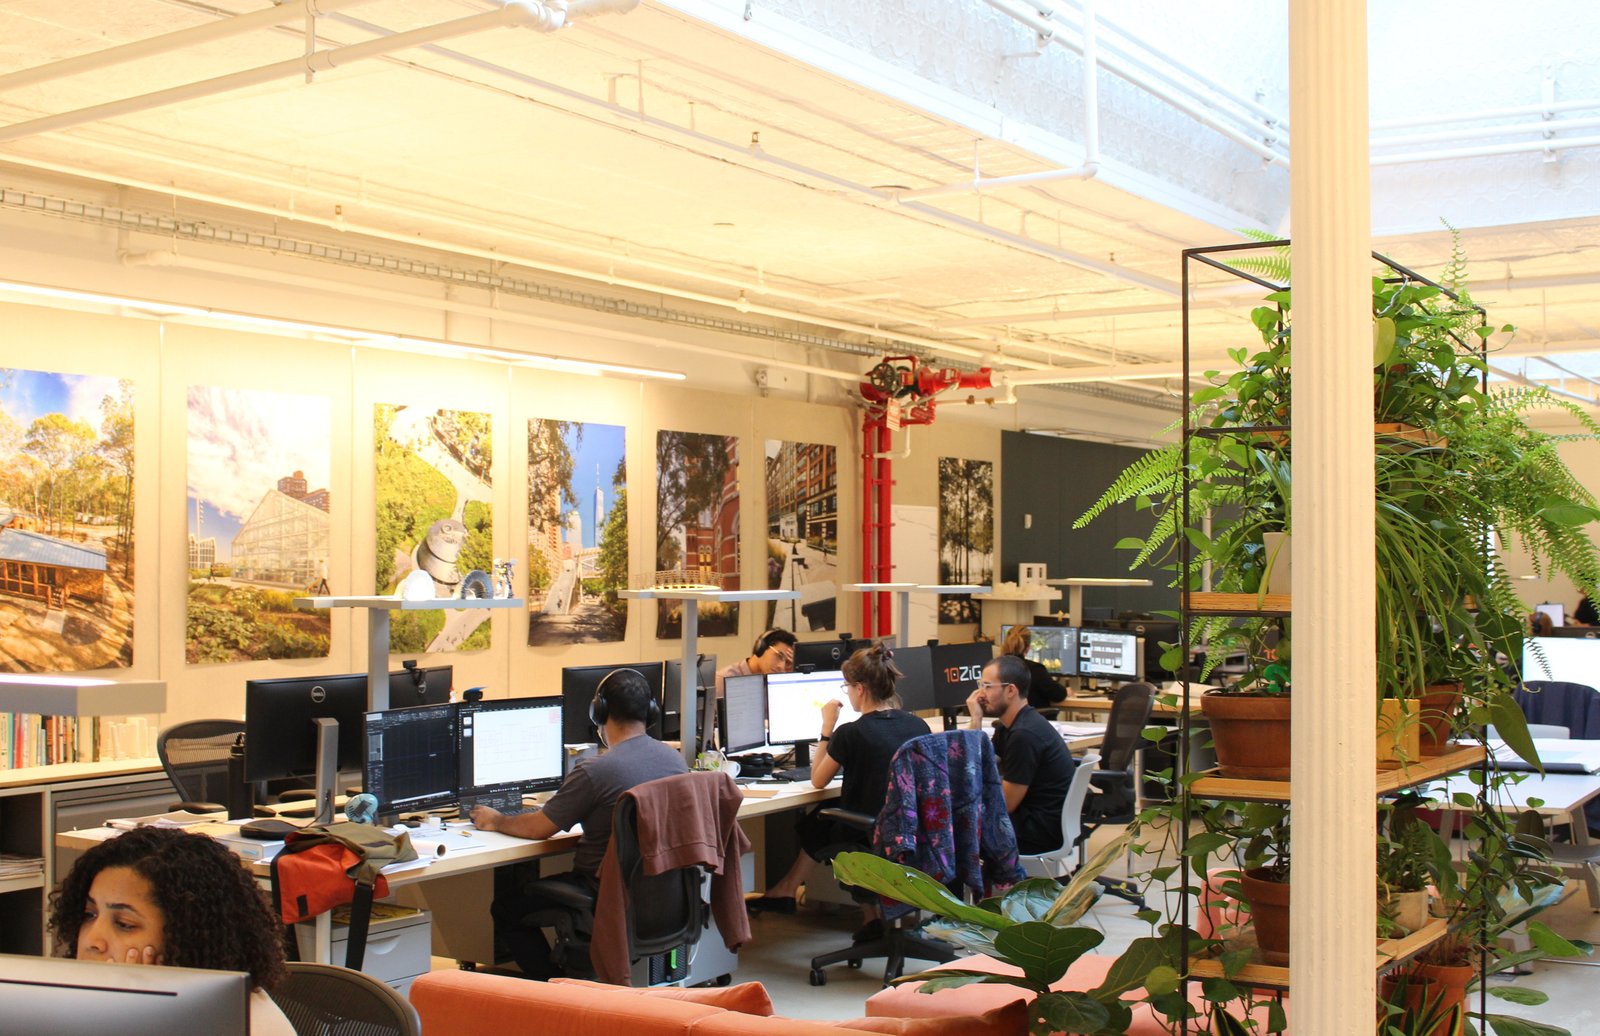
(1032, 927)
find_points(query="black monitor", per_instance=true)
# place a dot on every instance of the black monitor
(420, 685)
(578, 684)
(280, 736)
(1051, 620)
(1579, 632)
(1054, 647)
(827, 654)
(671, 726)
(90, 998)
(957, 669)
(510, 746)
(916, 683)
(744, 712)
(411, 758)
(1154, 633)
(1111, 654)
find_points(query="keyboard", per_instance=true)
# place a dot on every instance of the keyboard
(799, 773)
(504, 802)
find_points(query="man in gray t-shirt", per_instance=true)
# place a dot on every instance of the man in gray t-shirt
(588, 796)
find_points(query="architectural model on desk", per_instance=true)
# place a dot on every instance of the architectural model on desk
(904, 592)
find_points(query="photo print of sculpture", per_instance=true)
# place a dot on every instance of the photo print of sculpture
(66, 522)
(259, 519)
(697, 527)
(577, 532)
(803, 534)
(435, 521)
(966, 533)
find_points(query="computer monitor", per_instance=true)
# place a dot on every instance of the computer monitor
(280, 736)
(916, 683)
(671, 726)
(827, 654)
(1565, 660)
(578, 684)
(509, 747)
(411, 758)
(1577, 632)
(957, 669)
(794, 705)
(1557, 613)
(744, 713)
(1055, 648)
(420, 685)
(90, 998)
(1153, 635)
(1112, 654)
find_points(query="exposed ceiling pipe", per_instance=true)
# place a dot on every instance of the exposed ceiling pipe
(236, 25)
(1482, 132)
(541, 16)
(1523, 379)
(1091, 132)
(1485, 150)
(1508, 112)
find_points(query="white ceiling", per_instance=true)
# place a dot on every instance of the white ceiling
(735, 181)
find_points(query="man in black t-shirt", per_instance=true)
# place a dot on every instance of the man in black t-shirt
(1035, 766)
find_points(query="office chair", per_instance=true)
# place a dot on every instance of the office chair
(1116, 798)
(1057, 862)
(324, 999)
(1575, 706)
(195, 758)
(952, 755)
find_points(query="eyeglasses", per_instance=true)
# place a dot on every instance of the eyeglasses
(990, 685)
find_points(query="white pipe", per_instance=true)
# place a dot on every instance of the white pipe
(544, 17)
(165, 44)
(1091, 132)
(167, 260)
(1511, 111)
(1479, 132)
(1523, 379)
(1486, 150)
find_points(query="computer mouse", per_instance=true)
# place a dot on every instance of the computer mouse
(268, 830)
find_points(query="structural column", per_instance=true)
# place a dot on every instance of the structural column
(1333, 662)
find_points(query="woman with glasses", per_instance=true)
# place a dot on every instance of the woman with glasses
(861, 749)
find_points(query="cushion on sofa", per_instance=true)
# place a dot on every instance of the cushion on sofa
(1086, 972)
(745, 998)
(466, 1003)
(1010, 1020)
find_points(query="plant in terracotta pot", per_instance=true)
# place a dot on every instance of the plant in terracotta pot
(1254, 838)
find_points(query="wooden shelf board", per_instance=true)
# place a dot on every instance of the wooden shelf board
(23, 884)
(1259, 976)
(1426, 769)
(1238, 604)
(1392, 951)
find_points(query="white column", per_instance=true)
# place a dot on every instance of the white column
(1333, 662)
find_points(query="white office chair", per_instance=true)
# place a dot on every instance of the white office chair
(1058, 863)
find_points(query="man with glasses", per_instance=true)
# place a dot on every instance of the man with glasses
(1035, 766)
(773, 652)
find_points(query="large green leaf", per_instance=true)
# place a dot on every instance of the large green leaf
(1082, 891)
(1512, 727)
(971, 937)
(1552, 944)
(1043, 951)
(1069, 1012)
(910, 886)
(1519, 995)
(1030, 900)
(1133, 966)
(953, 978)
(1505, 1025)
(1382, 341)
(1565, 512)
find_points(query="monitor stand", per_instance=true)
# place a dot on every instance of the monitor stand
(327, 767)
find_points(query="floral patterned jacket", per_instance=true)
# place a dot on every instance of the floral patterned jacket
(945, 814)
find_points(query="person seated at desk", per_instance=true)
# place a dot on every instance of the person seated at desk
(623, 707)
(1035, 766)
(162, 896)
(773, 652)
(862, 749)
(1043, 690)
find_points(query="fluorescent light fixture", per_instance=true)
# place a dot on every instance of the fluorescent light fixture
(346, 335)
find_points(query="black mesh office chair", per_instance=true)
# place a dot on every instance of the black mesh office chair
(326, 1000)
(1116, 798)
(195, 758)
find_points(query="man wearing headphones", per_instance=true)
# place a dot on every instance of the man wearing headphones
(624, 706)
(773, 652)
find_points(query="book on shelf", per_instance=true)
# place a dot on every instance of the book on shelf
(28, 739)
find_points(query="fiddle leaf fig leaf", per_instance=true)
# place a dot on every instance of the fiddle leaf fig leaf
(1043, 951)
(1383, 339)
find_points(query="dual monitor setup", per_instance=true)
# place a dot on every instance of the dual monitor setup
(1107, 654)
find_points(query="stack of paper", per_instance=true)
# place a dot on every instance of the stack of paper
(15, 865)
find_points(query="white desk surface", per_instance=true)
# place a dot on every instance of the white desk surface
(1559, 793)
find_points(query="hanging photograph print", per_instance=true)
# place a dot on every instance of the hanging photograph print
(966, 533)
(258, 514)
(66, 522)
(803, 534)
(435, 521)
(577, 532)
(697, 527)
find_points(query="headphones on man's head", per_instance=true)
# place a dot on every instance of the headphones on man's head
(600, 709)
(764, 642)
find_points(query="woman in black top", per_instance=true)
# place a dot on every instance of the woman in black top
(1043, 690)
(862, 749)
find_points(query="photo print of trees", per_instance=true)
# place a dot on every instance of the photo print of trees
(66, 522)
(259, 518)
(697, 526)
(435, 512)
(803, 534)
(577, 532)
(966, 533)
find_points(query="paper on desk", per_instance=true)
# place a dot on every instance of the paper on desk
(177, 818)
(447, 843)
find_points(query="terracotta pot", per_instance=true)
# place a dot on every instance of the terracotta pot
(1251, 734)
(1437, 706)
(1399, 742)
(1431, 987)
(1269, 914)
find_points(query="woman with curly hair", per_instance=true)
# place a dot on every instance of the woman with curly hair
(160, 896)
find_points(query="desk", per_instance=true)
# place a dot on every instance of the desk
(1157, 708)
(464, 879)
